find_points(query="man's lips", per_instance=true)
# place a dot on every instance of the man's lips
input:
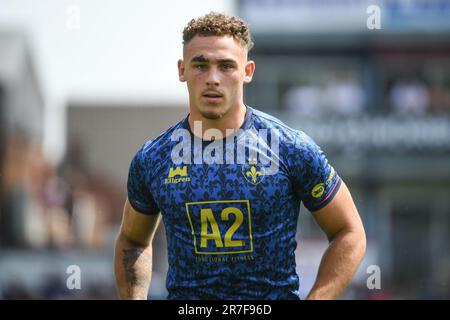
(212, 96)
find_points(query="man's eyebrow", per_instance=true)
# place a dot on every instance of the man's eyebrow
(200, 58)
(226, 60)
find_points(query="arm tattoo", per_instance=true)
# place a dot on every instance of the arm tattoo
(137, 266)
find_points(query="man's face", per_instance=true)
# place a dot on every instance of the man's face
(215, 69)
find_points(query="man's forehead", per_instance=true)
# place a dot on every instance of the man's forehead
(213, 47)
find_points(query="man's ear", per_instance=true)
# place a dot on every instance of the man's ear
(181, 70)
(249, 71)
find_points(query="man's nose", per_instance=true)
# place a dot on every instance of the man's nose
(213, 77)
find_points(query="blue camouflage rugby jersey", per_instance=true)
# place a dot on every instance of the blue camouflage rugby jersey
(230, 206)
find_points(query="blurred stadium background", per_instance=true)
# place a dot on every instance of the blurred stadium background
(84, 83)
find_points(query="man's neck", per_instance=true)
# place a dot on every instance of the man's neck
(227, 125)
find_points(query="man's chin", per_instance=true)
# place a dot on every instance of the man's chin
(212, 113)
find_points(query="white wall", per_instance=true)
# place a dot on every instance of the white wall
(102, 50)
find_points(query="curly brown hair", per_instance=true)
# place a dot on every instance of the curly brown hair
(218, 24)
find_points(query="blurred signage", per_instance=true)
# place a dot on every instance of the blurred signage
(340, 16)
(417, 15)
(392, 134)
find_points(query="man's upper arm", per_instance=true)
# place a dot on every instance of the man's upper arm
(340, 214)
(141, 213)
(137, 227)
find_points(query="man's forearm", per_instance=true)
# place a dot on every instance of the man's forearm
(338, 265)
(133, 269)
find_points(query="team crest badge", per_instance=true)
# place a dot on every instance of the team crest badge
(253, 172)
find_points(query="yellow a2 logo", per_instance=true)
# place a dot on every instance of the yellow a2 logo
(220, 227)
(207, 218)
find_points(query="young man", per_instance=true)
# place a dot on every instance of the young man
(230, 204)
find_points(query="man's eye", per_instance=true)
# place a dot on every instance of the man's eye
(200, 66)
(227, 67)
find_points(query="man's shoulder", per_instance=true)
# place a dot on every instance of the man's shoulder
(262, 120)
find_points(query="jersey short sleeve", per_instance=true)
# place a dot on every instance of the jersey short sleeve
(139, 194)
(315, 180)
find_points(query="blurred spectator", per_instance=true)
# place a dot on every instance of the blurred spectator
(440, 99)
(57, 215)
(13, 191)
(409, 96)
(36, 171)
(304, 100)
(87, 220)
(345, 96)
(342, 95)
(42, 208)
